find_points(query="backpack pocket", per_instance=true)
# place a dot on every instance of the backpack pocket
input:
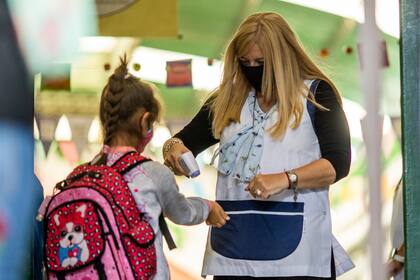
(259, 230)
(143, 234)
(74, 236)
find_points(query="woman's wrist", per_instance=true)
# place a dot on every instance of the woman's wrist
(169, 145)
(282, 182)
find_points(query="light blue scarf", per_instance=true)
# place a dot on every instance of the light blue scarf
(241, 155)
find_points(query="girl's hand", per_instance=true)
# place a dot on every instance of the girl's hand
(172, 156)
(394, 268)
(264, 186)
(217, 216)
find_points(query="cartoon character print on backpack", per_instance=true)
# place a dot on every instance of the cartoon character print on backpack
(111, 223)
(74, 236)
(73, 247)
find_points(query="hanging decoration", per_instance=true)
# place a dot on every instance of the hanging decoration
(79, 127)
(179, 73)
(136, 67)
(69, 150)
(36, 130)
(39, 147)
(383, 53)
(46, 127)
(348, 50)
(63, 130)
(324, 52)
(63, 136)
(396, 126)
(94, 131)
(385, 58)
(58, 77)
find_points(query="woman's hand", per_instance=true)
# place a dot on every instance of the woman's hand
(172, 156)
(217, 216)
(264, 186)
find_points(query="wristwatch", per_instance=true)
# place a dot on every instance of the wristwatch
(397, 257)
(293, 179)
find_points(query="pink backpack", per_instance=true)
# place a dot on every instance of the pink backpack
(93, 228)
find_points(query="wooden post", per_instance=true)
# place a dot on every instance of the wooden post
(410, 63)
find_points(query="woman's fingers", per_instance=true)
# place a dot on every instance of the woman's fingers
(257, 188)
(177, 166)
(172, 161)
(254, 190)
(250, 187)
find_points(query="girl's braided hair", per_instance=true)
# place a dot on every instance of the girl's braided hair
(122, 99)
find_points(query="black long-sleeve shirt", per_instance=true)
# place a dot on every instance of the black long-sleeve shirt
(330, 127)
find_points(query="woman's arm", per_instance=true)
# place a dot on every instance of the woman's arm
(332, 131)
(197, 135)
(333, 135)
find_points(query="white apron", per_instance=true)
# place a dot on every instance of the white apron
(278, 237)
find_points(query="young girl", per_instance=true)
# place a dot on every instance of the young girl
(128, 110)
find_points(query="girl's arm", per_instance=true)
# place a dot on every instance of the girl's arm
(175, 206)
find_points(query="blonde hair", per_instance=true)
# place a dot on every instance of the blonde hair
(286, 66)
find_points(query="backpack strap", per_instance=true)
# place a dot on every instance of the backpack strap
(309, 105)
(128, 161)
(166, 233)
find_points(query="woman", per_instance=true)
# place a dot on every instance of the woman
(283, 140)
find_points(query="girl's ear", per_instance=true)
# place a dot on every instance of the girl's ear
(144, 124)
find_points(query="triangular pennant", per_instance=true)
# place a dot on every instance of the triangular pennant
(69, 150)
(39, 151)
(80, 128)
(396, 126)
(46, 127)
(46, 144)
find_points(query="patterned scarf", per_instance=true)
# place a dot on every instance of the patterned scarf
(241, 155)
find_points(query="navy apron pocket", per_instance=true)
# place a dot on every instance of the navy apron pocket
(259, 230)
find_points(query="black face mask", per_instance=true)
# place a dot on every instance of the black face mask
(254, 75)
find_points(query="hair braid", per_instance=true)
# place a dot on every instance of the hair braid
(111, 103)
(124, 99)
